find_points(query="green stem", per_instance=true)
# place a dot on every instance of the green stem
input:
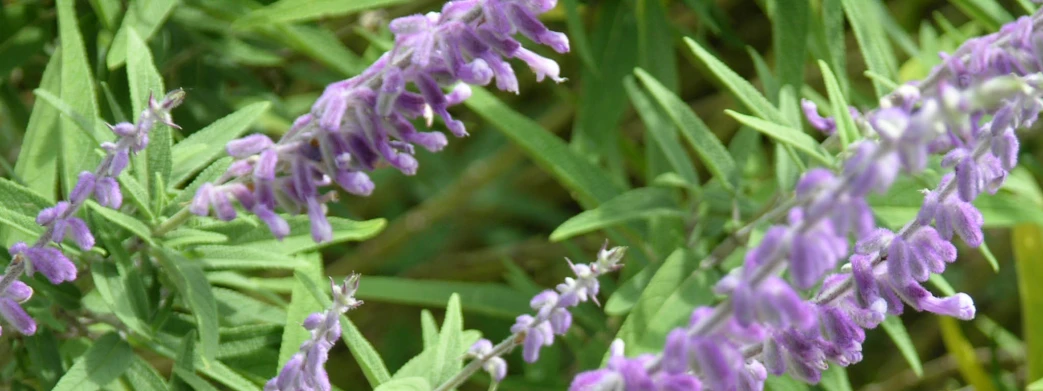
(173, 222)
(475, 365)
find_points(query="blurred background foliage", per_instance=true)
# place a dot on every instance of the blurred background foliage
(478, 218)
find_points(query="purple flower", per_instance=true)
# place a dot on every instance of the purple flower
(360, 123)
(47, 260)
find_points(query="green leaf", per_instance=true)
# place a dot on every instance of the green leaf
(710, 150)
(145, 82)
(258, 237)
(142, 376)
(240, 257)
(428, 328)
(675, 269)
(896, 330)
(656, 43)
(105, 361)
(834, 37)
(322, 45)
(188, 236)
(614, 40)
(447, 360)
(87, 127)
(365, 355)
(835, 379)
(626, 295)
(77, 148)
(739, 86)
(784, 383)
(138, 195)
(405, 384)
(635, 204)
(110, 286)
(590, 184)
(302, 304)
(484, 298)
(1035, 386)
(988, 13)
(198, 150)
(577, 35)
(20, 206)
(143, 17)
(963, 352)
(285, 11)
(785, 135)
(987, 254)
(838, 103)
(1027, 243)
(129, 223)
(790, 36)
(192, 285)
(240, 309)
(37, 164)
(45, 361)
(864, 17)
(664, 135)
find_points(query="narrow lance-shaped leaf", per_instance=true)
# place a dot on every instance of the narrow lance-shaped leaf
(144, 17)
(1027, 245)
(590, 183)
(77, 148)
(192, 286)
(658, 127)
(785, 135)
(869, 32)
(635, 204)
(838, 103)
(710, 150)
(739, 86)
(284, 11)
(896, 330)
(105, 361)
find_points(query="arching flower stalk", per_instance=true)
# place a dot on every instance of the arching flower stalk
(306, 369)
(970, 110)
(60, 222)
(364, 122)
(552, 318)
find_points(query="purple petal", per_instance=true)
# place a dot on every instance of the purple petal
(80, 233)
(249, 145)
(18, 291)
(107, 192)
(321, 231)
(52, 263)
(17, 317)
(83, 189)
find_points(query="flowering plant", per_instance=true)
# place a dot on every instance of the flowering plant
(156, 241)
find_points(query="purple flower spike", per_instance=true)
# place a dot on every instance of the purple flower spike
(306, 369)
(367, 121)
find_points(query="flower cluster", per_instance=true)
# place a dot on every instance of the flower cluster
(306, 369)
(552, 312)
(365, 121)
(60, 222)
(968, 112)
